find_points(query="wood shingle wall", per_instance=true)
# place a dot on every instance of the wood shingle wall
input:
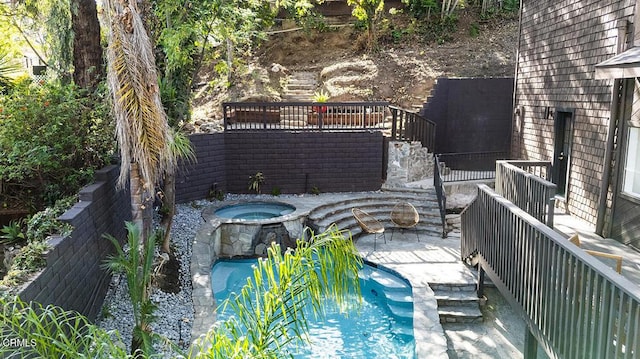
(560, 42)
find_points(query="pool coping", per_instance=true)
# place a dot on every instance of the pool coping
(428, 332)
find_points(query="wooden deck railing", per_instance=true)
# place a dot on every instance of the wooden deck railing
(574, 305)
(529, 192)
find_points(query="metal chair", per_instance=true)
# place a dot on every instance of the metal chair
(405, 215)
(369, 224)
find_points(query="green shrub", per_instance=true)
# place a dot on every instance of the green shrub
(12, 233)
(45, 223)
(51, 139)
(421, 9)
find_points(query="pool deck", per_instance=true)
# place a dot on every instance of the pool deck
(435, 259)
(431, 259)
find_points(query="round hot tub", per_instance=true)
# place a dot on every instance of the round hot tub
(255, 210)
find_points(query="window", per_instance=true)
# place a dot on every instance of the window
(631, 184)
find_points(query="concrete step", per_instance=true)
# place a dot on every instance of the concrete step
(403, 312)
(453, 287)
(460, 314)
(403, 329)
(426, 203)
(451, 298)
(380, 205)
(399, 298)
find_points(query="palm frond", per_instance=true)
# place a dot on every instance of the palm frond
(141, 123)
(269, 313)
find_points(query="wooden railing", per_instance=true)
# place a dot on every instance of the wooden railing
(574, 305)
(410, 126)
(441, 194)
(529, 192)
(305, 115)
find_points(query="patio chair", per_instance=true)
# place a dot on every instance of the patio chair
(575, 239)
(369, 224)
(404, 215)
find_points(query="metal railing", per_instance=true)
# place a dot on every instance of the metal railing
(529, 192)
(441, 194)
(344, 116)
(469, 166)
(574, 305)
(410, 126)
(541, 169)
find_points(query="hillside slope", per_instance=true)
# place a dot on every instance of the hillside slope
(401, 72)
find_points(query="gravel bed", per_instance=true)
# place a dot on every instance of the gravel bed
(174, 313)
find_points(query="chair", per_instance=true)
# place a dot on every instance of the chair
(405, 215)
(575, 239)
(369, 224)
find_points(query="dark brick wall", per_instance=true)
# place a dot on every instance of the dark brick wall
(293, 162)
(560, 42)
(472, 115)
(195, 180)
(73, 279)
(296, 162)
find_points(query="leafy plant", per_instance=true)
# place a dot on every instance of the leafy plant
(315, 190)
(369, 12)
(215, 193)
(421, 9)
(137, 267)
(12, 233)
(275, 191)
(45, 223)
(474, 30)
(320, 96)
(31, 257)
(320, 271)
(52, 332)
(51, 139)
(255, 182)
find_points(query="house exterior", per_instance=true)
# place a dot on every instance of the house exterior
(577, 104)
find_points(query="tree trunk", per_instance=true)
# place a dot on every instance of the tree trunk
(87, 50)
(169, 209)
(141, 203)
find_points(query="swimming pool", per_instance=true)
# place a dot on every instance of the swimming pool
(383, 328)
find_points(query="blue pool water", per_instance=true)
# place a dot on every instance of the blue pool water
(383, 328)
(255, 210)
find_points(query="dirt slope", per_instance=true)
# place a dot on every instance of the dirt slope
(401, 72)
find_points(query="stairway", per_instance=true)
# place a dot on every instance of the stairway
(300, 87)
(457, 302)
(379, 205)
(394, 294)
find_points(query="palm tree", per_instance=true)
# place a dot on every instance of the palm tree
(142, 130)
(136, 267)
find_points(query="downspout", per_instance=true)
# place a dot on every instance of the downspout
(613, 123)
(515, 84)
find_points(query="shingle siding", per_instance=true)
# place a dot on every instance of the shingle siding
(560, 42)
